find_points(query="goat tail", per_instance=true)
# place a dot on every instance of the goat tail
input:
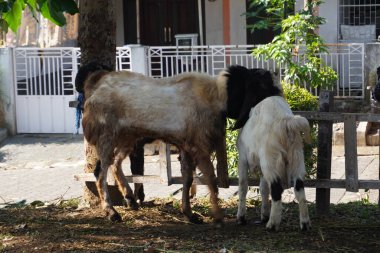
(298, 125)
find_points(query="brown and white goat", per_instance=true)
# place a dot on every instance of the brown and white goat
(271, 140)
(187, 110)
(195, 96)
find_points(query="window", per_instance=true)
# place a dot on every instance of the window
(359, 20)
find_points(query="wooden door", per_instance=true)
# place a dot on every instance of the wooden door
(161, 20)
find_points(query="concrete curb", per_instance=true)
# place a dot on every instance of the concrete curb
(3, 134)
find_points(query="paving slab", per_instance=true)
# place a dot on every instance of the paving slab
(42, 167)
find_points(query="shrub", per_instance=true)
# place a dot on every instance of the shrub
(299, 99)
(232, 153)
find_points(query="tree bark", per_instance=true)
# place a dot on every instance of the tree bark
(97, 41)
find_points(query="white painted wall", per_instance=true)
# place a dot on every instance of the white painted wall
(214, 22)
(238, 22)
(329, 11)
(7, 88)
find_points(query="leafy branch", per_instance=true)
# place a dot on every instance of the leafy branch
(53, 10)
(298, 47)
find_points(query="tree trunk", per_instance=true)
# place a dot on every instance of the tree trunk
(97, 41)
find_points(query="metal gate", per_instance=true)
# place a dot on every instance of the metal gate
(44, 87)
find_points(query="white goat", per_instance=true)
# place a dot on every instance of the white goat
(272, 140)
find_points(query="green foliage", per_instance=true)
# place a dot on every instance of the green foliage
(53, 10)
(299, 99)
(232, 153)
(299, 48)
(268, 13)
(70, 203)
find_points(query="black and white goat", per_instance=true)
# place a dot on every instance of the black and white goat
(187, 110)
(271, 140)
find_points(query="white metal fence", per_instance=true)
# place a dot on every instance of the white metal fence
(44, 85)
(44, 78)
(346, 59)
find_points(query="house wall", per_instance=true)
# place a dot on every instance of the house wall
(329, 31)
(329, 11)
(214, 22)
(7, 97)
(238, 32)
(119, 23)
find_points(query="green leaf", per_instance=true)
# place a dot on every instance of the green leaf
(32, 4)
(13, 16)
(69, 6)
(56, 13)
(53, 10)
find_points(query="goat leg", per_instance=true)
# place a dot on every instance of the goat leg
(205, 166)
(101, 184)
(304, 213)
(137, 167)
(187, 170)
(265, 205)
(243, 189)
(276, 209)
(121, 181)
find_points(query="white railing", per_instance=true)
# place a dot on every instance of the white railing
(44, 71)
(52, 71)
(36, 68)
(346, 59)
(167, 61)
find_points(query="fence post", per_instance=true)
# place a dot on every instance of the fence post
(139, 59)
(222, 165)
(326, 104)
(351, 154)
(165, 163)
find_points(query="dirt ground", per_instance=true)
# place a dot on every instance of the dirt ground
(158, 226)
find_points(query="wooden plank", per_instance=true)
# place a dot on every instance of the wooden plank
(326, 104)
(165, 163)
(222, 165)
(338, 117)
(321, 116)
(351, 153)
(309, 183)
(74, 103)
(370, 117)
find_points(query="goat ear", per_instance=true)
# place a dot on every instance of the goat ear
(236, 79)
(248, 102)
(84, 72)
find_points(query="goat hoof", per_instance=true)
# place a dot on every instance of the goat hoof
(115, 217)
(273, 227)
(140, 196)
(241, 220)
(131, 203)
(264, 219)
(194, 218)
(218, 223)
(305, 226)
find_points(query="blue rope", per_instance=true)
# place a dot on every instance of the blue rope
(79, 111)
